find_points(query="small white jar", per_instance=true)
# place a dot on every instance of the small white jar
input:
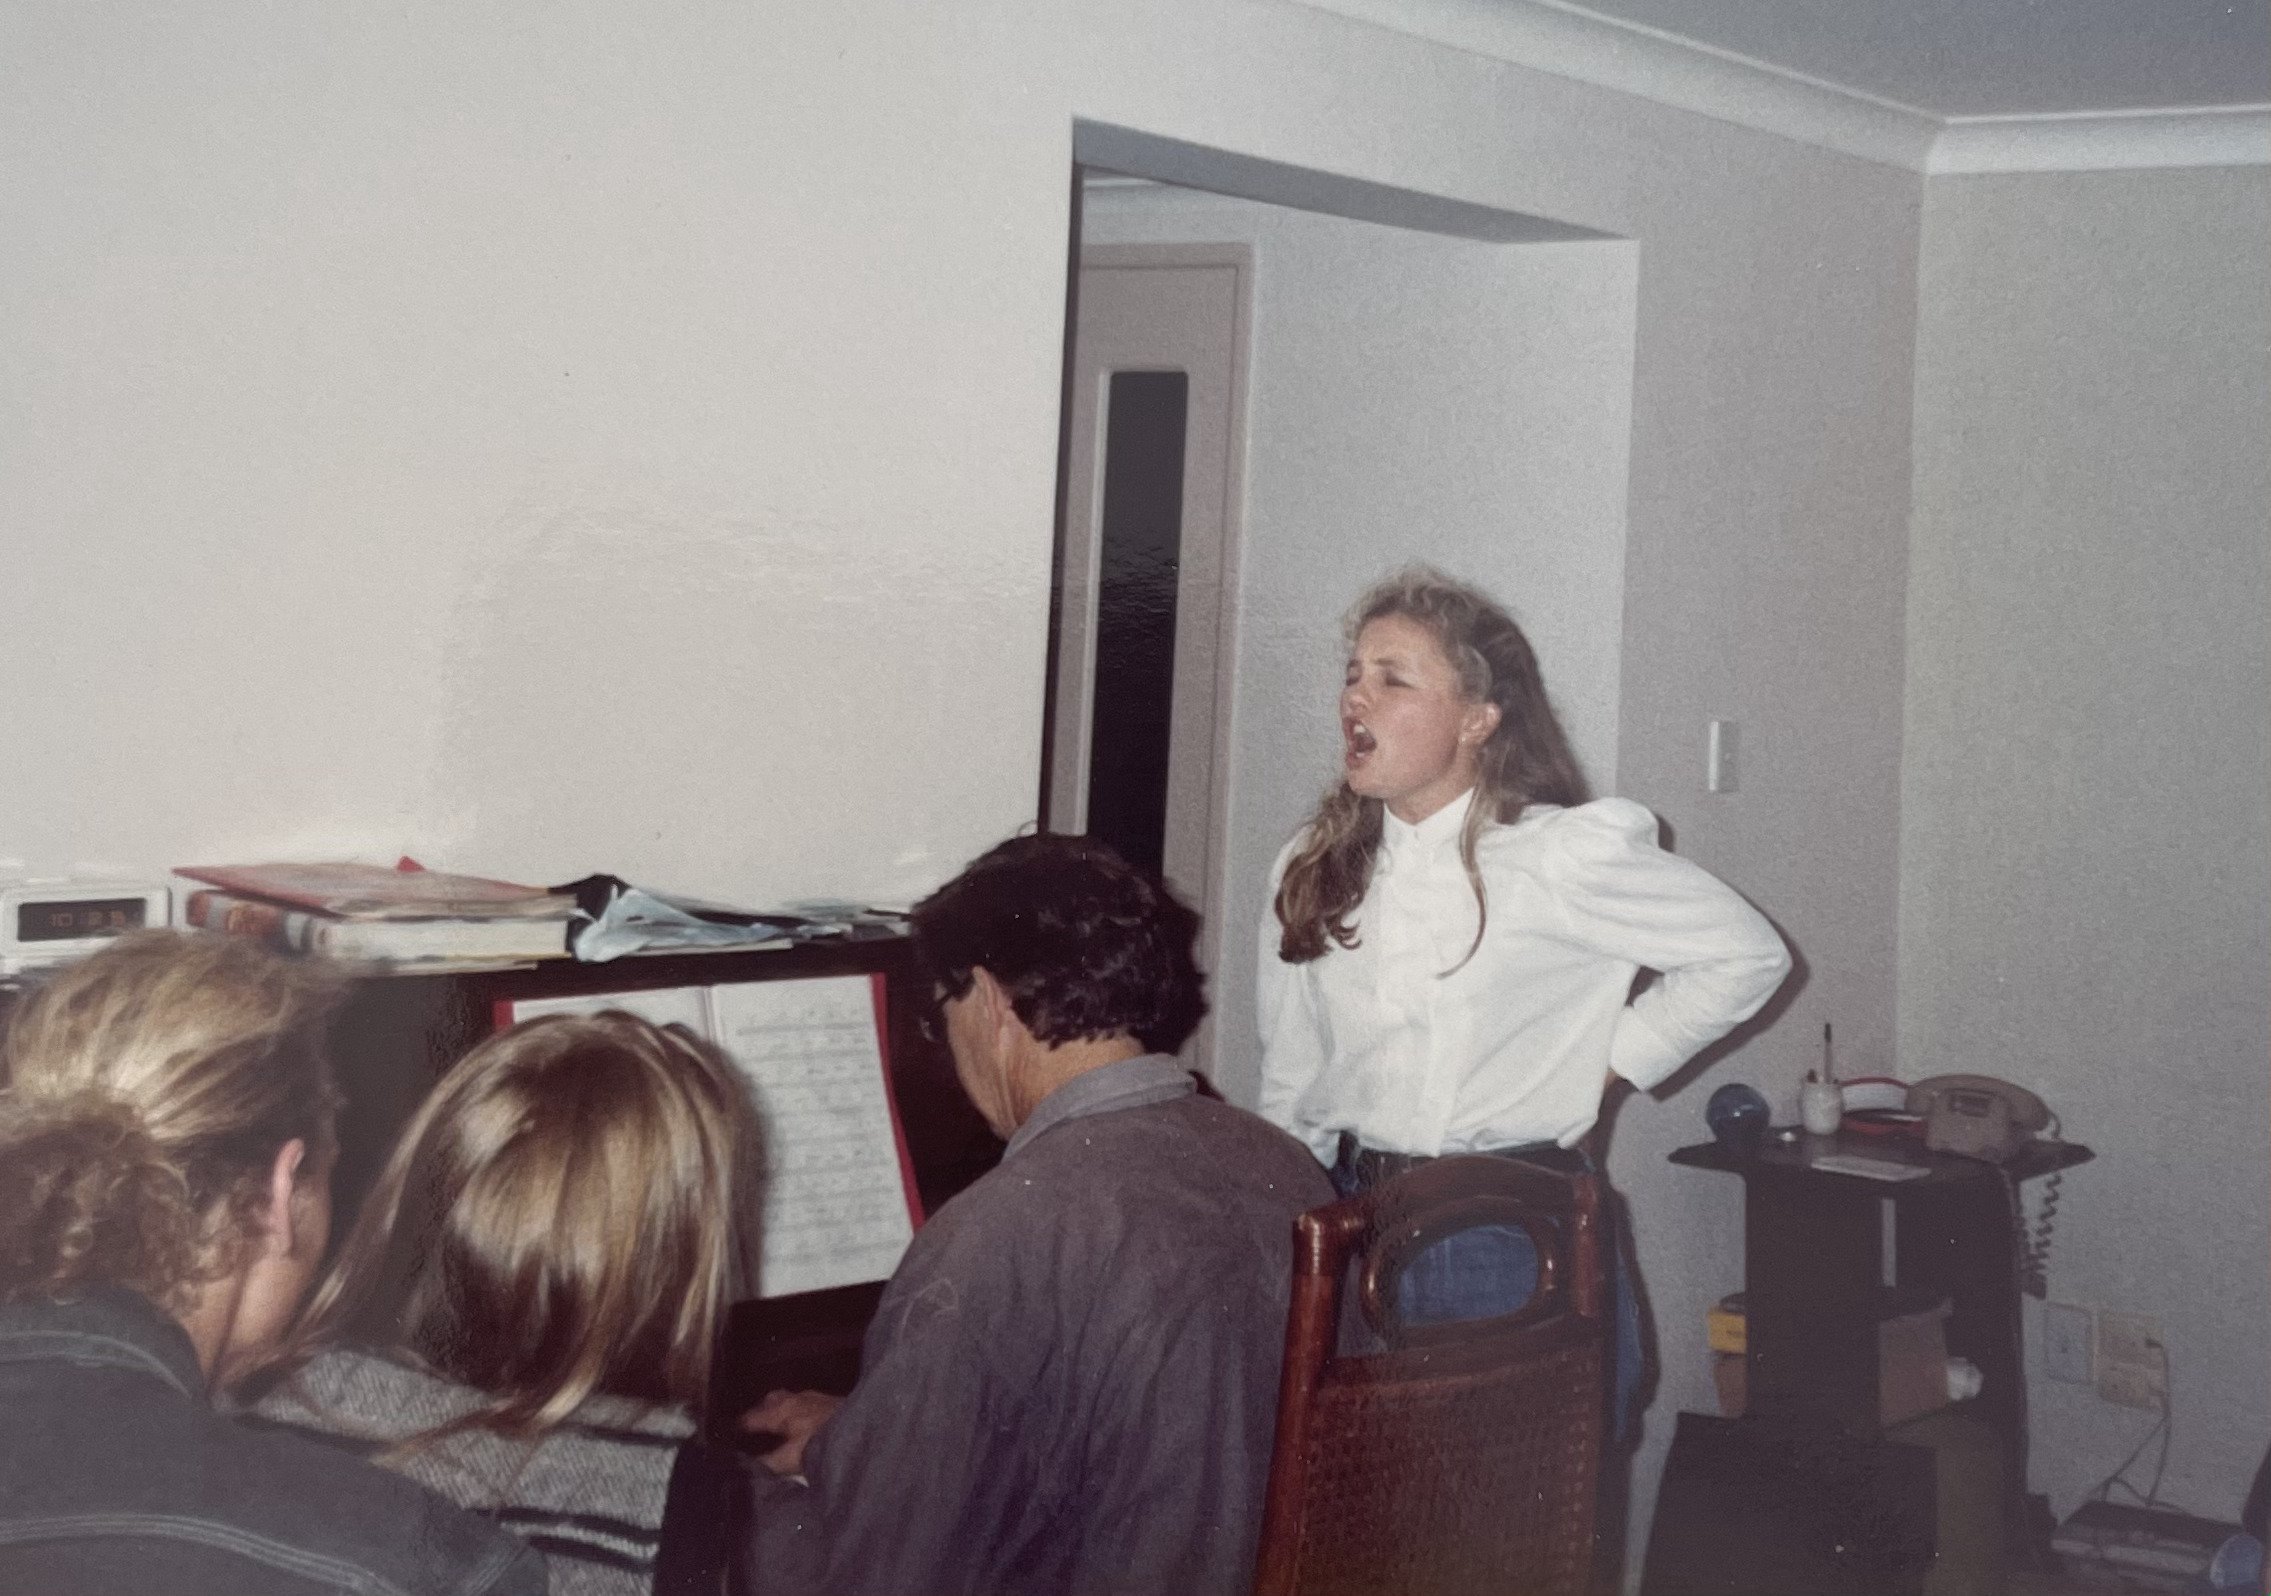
(1821, 1107)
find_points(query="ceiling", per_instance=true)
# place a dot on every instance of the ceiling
(1960, 58)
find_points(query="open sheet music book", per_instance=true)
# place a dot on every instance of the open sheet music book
(839, 1204)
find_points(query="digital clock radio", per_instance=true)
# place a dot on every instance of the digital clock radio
(48, 922)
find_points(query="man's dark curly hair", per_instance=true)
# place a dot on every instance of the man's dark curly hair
(1086, 945)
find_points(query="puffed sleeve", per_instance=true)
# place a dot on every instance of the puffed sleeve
(1621, 894)
(1292, 1031)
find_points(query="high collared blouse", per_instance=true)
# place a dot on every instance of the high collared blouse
(1414, 1047)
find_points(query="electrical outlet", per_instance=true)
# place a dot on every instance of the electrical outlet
(2132, 1361)
(2130, 1338)
(2066, 1342)
(2132, 1385)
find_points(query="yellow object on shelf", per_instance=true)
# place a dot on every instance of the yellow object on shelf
(1725, 1325)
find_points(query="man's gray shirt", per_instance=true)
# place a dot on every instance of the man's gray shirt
(1071, 1382)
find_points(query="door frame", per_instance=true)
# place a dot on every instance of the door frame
(1239, 260)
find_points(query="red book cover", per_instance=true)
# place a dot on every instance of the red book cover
(374, 892)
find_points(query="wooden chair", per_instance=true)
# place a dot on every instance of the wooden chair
(1458, 1457)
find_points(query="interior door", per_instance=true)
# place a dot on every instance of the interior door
(1143, 643)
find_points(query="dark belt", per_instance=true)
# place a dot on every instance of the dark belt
(1371, 1166)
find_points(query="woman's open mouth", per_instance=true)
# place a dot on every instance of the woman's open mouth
(1359, 742)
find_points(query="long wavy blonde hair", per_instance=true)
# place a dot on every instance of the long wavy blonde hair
(558, 1219)
(1525, 760)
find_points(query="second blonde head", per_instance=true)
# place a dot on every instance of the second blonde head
(558, 1220)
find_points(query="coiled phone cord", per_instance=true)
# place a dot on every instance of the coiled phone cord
(2033, 1242)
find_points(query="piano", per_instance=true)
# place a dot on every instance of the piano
(396, 1034)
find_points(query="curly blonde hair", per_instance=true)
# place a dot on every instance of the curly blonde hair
(148, 1089)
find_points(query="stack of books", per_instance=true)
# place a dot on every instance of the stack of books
(402, 916)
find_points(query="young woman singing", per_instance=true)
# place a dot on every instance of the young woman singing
(1451, 961)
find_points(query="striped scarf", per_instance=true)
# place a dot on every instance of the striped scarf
(589, 1494)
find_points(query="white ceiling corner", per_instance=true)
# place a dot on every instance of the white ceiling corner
(1650, 63)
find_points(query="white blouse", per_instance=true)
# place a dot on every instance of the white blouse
(1514, 1045)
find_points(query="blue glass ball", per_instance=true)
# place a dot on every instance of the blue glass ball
(1737, 1115)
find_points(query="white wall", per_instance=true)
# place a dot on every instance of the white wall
(1410, 397)
(1765, 548)
(2086, 812)
(610, 436)
(519, 437)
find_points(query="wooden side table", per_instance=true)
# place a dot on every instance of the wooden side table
(1829, 1257)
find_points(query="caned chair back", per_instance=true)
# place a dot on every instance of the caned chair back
(1440, 1459)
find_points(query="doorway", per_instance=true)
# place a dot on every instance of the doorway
(1140, 669)
(1416, 381)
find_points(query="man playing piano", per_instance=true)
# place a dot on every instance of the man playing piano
(1071, 1382)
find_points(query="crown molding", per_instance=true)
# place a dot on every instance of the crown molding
(2238, 135)
(1567, 41)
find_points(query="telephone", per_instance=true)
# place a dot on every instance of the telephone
(1982, 1117)
(1976, 1115)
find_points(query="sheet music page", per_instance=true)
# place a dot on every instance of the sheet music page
(835, 1199)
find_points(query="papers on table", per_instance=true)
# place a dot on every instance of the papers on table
(619, 918)
(839, 1204)
(1868, 1168)
(614, 918)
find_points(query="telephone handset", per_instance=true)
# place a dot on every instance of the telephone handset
(1977, 1115)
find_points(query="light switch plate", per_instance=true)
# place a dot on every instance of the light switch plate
(1722, 755)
